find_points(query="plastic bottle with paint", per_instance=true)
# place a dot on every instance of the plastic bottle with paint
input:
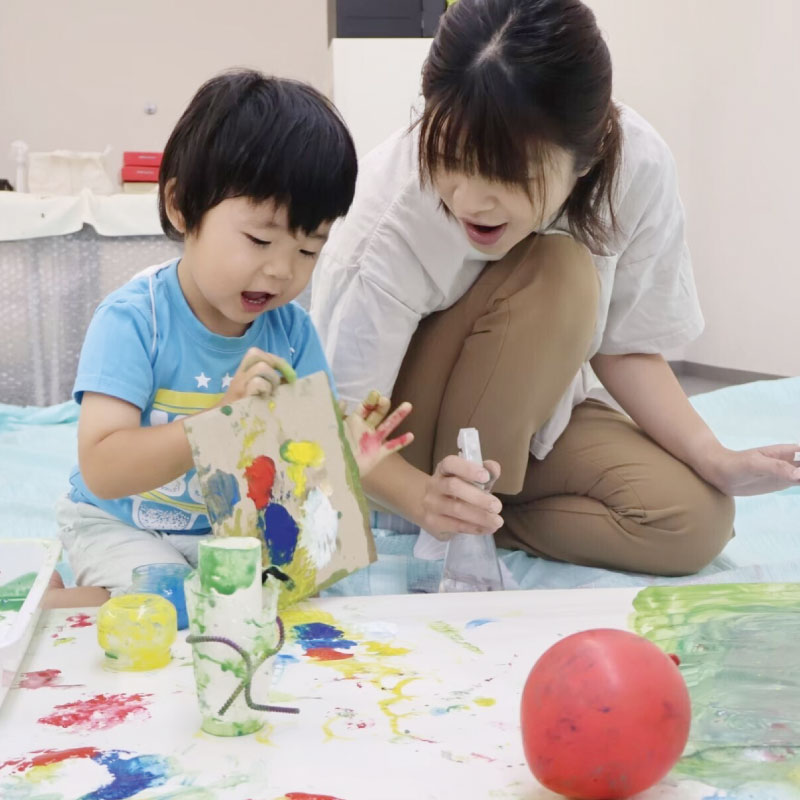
(471, 563)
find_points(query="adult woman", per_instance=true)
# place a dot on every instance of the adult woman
(441, 288)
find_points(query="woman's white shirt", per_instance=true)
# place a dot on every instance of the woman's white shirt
(396, 257)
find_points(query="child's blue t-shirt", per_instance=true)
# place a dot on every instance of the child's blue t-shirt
(144, 345)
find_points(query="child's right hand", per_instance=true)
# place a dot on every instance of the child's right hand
(259, 373)
(453, 504)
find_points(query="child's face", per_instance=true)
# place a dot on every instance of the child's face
(496, 216)
(243, 261)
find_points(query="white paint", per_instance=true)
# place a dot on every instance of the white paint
(319, 533)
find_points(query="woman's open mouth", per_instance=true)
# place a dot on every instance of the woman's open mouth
(484, 235)
(255, 302)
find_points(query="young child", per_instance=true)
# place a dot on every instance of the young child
(252, 177)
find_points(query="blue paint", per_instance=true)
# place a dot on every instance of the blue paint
(131, 774)
(287, 659)
(318, 634)
(476, 623)
(222, 494)
(280, 532)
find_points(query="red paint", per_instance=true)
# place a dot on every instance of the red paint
(36, 680)
(370, 443)
(80, 621)
(327, 654)
(605, 714)
(99, 712)
(676, 658)
(47, 757)
(260, 477)
(304, 796)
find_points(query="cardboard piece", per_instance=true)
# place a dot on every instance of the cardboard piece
(280, 469)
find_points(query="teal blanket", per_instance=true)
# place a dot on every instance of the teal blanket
(38, 449)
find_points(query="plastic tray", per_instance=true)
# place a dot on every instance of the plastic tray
(25, 569)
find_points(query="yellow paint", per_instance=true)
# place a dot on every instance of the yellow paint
(64, 640)
(300, 456)
(264, 735)
(136, 631)
(381, 649)
(374, 671)
(257, 426)
(484, 701)
(46, 772)
(396, 696)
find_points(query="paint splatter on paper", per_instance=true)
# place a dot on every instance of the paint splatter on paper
(122, 774)
(99, 712)
(739, 647)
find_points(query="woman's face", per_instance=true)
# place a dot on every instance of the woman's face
(496, 216)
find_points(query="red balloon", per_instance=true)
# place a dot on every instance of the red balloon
(605, 714)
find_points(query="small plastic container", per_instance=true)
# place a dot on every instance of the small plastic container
(136, 632)
(165, 580)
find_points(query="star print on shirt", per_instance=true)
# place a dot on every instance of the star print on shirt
(226, 380)
(202, 380)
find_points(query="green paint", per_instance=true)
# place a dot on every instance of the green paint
(739, 646)
(225, 569)
(13, 593)
(451, 633)
(217, 728)
(64, 640)
(285, 369)
(353, 477)
(226, 410)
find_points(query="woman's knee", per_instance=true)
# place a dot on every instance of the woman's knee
(560, 282)
(700, 530)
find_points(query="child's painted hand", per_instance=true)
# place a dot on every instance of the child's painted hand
(368, 428)
(259, 373)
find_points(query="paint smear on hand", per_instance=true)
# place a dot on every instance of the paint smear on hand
(300, 456)
(100, 712)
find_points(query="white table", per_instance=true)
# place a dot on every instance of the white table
(422, 703)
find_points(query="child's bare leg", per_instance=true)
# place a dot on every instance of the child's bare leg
(77, 597)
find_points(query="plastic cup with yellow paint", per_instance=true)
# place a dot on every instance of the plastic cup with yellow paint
(136, 631)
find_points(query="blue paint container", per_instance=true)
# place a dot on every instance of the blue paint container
(165, 580)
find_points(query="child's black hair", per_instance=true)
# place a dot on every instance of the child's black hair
(248, 135)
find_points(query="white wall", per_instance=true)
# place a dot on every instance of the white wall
(719, 80)
(77, 74)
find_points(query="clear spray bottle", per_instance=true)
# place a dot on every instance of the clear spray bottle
(471, 563)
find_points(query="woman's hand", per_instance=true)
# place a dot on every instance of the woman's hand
(453, 504)
(368, 429)
(756, 471)
(259, 373)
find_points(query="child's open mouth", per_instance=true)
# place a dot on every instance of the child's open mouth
(254, 302)
(484, 235)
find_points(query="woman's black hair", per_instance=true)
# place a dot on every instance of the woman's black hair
(248, 135)
(504, 82)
